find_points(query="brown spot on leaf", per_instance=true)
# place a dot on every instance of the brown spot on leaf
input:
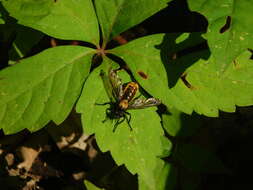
(226, 26)
(143, 75)
(235, 63)
(183, 78)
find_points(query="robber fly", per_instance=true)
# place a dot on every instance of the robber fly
(122, 98)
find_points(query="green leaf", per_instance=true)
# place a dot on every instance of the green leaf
(167, 147)
(165, 177)
(64, 19)
(208, 91)
(230, 29)
(92, 90)
(137, 149)
(143, 58)
(176, 123)
(116, 16)
(42, 88)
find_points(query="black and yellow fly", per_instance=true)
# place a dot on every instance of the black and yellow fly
(122, 98)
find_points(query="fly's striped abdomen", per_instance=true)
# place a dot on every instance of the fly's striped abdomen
(128, 94)
(130, 91)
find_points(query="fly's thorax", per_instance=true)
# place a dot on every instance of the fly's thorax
(123, 104)
(129, 91)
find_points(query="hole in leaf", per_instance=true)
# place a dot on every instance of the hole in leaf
(226, 26)
(143, 75)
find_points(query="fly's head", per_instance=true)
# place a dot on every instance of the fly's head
(115, 111)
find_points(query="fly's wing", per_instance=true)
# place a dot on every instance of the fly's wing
(116, 84)
(143, 103)
(107, 85)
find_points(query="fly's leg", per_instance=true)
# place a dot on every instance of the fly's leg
(103, 104)
(119, 121)
(107, 115)
(128, 117)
